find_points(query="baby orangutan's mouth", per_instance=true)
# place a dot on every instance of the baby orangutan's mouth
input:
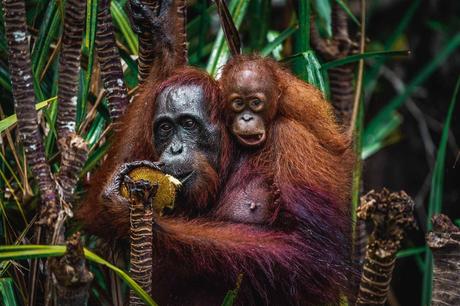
(251, 140)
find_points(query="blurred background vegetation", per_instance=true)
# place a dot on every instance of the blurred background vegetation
(405, 104)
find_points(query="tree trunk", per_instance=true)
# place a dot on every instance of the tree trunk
(340, 78)
(71, 276)
(390, 214)
(444, 242)
(141, 234)
(109, 59)
(69, 66)
(147, 46)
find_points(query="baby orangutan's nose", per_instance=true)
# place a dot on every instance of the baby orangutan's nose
(247, 117)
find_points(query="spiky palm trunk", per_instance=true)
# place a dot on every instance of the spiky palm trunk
(69, 66)
(444, 241)
(109, 59)
(71, 274)
(147, 45)
(24, 101)
(340, 78)
(141, 234)
(391, 214)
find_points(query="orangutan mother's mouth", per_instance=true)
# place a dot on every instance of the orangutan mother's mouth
(184, 177)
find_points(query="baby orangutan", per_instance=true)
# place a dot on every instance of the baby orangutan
(293, 169)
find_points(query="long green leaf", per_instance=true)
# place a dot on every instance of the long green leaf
(314, 73)
(231, 295)
(220, 50)
(371, 76)
(373, 144)
(411, 252)
(347, 10)
(303, 42)
(17, 252)
(5, 80)
(366, 55)
(323, 14)
(435, 201)
(278, 40)
(385, 114)
(89, 50)
(6, 292)
(131, 283)
(11, 120)
(121, 20)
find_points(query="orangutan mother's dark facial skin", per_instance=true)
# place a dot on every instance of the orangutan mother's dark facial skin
(183, 133)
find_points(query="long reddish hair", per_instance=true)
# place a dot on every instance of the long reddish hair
(134, 141)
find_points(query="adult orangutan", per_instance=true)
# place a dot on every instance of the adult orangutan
(285, 230)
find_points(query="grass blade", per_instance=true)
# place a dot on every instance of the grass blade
(303, 41)
(373, 144)
(122, 22)
(357, 57)
(385, 114)
(435, 201)
(11, 120)
(347, 10)
(323, 14)
(123, 275)
(278, 40)
(411, 252)
(231, 295)
(17, 252)
(6, 292)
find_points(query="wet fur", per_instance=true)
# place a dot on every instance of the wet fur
(300, 257)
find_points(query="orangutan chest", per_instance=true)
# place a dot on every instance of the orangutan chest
(248, 202)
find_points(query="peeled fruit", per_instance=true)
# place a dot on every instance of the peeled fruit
(167, 186)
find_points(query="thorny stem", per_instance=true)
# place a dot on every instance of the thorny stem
(73, 157)
(147, 45)
(359, 80)
(24, 99)
(359, 231)
(109, 59)
(71, 277)
(73, 148)
(141, 234)
(69, 66)
(181, 44)
(390, 214)
(444, 242)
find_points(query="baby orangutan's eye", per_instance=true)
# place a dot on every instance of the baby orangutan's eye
(237, 104)
(256, 105)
